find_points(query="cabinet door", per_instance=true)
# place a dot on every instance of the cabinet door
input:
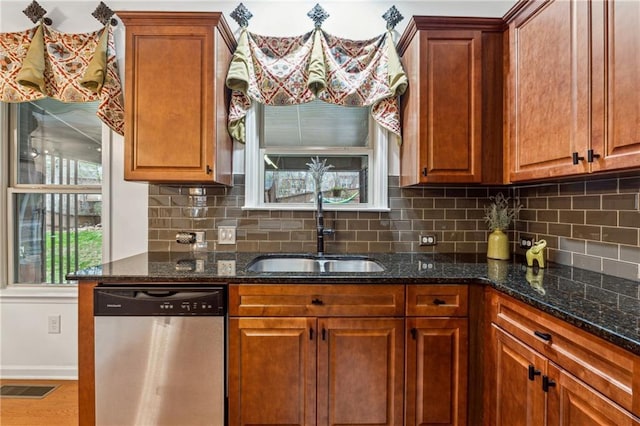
(272, 371)
(360, 371)
(549, 87)
(517, 397)
(572, 402)
(437, 371)
(442, 111)
(616, 135)
(173, 89)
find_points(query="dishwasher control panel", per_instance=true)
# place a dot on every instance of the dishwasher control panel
(145, 301)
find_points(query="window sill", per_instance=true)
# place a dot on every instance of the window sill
(39, 293)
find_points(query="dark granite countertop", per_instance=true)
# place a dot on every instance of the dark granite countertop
(606, 306)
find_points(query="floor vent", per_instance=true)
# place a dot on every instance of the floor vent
(26, 391)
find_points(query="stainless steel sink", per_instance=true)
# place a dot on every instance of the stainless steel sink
(283, 264)
(352, 265)
(314, 264)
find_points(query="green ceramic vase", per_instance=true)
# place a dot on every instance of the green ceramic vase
(498, 245)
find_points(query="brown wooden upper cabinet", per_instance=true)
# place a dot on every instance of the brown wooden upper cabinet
(572, 84)
(451, 111)
(175, 98)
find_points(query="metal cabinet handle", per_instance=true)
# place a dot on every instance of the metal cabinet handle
(533, 373)
(575, 158)
(209, 170)
(439, 302)
(324, 334)
(591, 156)
(310, 333)
(547, 383)
(414, 333)
(424, 171)
(317, 301)
(544, 336)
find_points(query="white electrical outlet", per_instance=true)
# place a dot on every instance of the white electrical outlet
(428, 240)
(53, 324)
(424, 266)
(226, 267)
(226, 235)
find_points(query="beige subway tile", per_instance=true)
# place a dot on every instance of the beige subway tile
(380, 247)
(628, 236)
(444, 203)
(586, 232)
(602, 217)
(621, 202)
(357, 225)
(357, 246)
(248, 246)
(571, 216)
(547, 215)
(270, 246)
(366, 235)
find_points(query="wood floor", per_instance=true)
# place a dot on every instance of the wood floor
(59, 408)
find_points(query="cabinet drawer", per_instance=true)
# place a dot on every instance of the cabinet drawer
(437, 300)
(602, 365)
(316, 300)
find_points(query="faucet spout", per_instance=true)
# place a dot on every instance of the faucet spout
(320, 225)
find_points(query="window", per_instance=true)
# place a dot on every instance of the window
(281, 140)
(55, 190)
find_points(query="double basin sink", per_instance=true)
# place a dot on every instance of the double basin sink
(314, 264)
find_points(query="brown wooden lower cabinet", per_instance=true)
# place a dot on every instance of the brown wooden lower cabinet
(517, 397)
(436, 377)
(571, 402)
(542, 371)
(308, 371)
(531, 390)
(308, 361)
(272, 371)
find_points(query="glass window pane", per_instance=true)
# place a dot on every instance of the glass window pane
(317, 124)
(59, 143)
(55, 234)
(287, 179)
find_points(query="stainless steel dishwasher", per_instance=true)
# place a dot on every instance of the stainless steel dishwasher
(160, 355)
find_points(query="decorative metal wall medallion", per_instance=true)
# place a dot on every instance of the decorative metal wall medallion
(241, 15)
(35, 12)
(103, 14)
(392, 16)
(318, 15)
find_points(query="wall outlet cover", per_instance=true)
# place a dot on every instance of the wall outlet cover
(53, 324)
(226, 267)
(526, 242)
(428, 240)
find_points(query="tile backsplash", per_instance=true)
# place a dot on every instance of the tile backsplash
(591, 224)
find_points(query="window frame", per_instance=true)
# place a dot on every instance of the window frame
(10, 189)
(377, 151)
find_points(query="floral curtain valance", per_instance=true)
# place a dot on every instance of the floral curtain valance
(316, 65)
(41, 62)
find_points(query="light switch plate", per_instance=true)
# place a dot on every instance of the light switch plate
(226, 235)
